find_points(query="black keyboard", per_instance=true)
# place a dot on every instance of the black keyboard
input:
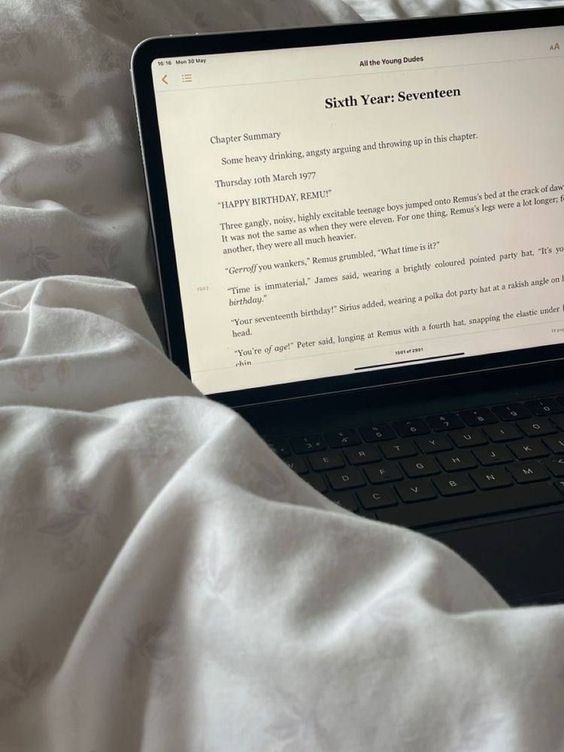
(429, 471)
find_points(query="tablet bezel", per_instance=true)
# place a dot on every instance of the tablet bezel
(209, 44)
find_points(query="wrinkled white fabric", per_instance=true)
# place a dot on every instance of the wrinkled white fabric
(167, 583)
(72, 199)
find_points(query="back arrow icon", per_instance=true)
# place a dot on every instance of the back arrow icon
(163, 79)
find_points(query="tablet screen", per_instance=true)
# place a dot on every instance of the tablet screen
(350, 208)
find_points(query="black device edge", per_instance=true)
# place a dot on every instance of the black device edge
(208, 44)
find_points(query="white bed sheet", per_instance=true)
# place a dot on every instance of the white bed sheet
(168, 584)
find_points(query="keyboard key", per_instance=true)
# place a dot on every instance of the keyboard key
(280, 447)
(544, 407)
(395, 450)
(383, 472)
(379, 432)
(457, 460)
(505, 432)
(407, 428)
(556, 466)
(326, 460)
(488, 479)
(444, 422)
(342, 480)
(420, 466)
(297, 464)
(363, 455)
(528, 472)
(558, 421)
(454, 485)
(342, 439)
(317, 481)
(555, 443)
(528, 449)
(468, 437)
(345, 499)
(306, 444)
(537, 427)
(559, 485)
(493, 455)
(419, 490)
(479, 417)
(375, 498)
(511, 412)
(470, 506)
(431, 444)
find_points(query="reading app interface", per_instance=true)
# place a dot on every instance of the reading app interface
(342, 209)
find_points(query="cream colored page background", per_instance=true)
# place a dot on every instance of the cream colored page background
(432, 271)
